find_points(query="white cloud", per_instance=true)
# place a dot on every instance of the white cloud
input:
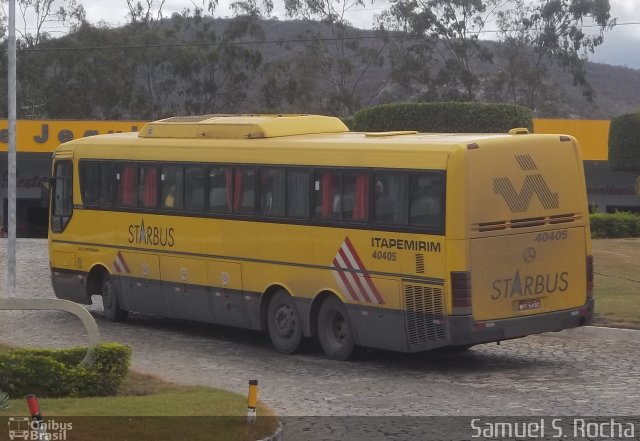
(622, 44)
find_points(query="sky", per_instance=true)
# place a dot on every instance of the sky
(621, 44)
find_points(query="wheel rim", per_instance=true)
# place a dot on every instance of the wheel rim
(338, 329)
(285, 321)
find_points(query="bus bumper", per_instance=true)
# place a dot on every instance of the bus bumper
(70, 285)
(465, 331)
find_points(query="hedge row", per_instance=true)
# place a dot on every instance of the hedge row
(611, 225)
(454, 117)
(58, 373)
(624, 143)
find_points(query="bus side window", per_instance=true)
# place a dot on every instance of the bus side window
(194, 186)
(220, 188)
(171, 187)
(355, 196)
(126, 177)
(298, 193)
(391, 202)
(89, 182)
(328, 195)
(272, 191)
(106, 192)
(244, 181)
(426, 201)
(148, 186)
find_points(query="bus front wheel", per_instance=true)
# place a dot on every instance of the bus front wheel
(285, 329)
(112, 310)
(334, 330)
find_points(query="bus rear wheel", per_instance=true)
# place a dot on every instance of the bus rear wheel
(112, 310)
(334, 330)
(283, 320)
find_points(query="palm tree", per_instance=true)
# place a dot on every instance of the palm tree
(4, 400)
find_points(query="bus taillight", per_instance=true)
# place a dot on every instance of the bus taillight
(461, 292)
(589, 277)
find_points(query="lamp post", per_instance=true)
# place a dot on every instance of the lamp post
(11, 153)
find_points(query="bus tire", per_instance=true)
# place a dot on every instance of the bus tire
(283, 322)
(334, 330)
(112, 310)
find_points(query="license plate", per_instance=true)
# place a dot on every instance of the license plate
(529, 304)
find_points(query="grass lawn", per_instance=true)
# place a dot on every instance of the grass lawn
(149, 408)
(617, 282)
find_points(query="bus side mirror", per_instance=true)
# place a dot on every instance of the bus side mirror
(46, 184)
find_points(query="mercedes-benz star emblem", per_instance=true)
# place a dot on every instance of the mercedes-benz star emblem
(529, 254)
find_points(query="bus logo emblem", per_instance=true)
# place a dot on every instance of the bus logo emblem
(529, 254)
(534, 184)
(352, 277)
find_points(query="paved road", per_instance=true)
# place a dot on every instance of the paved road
(537, 375)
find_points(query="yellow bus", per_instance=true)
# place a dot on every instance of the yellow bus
(294, 225)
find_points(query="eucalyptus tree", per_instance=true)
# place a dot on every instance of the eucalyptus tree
(343, 60)
(443, 38)
(542, 33)
(34, 31)
(215, 65)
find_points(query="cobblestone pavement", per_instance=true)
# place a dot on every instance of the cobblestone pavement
(537, 375)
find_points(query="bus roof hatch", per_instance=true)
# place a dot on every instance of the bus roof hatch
(241, 126)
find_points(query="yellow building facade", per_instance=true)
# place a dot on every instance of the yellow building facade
(608, 191)
(35, 142)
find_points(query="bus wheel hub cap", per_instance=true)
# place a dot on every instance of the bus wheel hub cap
(285, 322)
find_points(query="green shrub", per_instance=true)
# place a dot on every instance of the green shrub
(453, 117)
(611, 225)
(58, 373)
(624, 143)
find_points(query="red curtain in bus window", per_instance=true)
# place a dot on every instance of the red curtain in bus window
(237, 189)
(327, 194)
(127, 190)
(361, 202)
(150, 187)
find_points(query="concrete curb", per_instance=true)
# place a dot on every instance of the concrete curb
(613, 334)
(278, 435)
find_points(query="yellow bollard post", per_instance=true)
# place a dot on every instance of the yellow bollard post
(252, 400)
